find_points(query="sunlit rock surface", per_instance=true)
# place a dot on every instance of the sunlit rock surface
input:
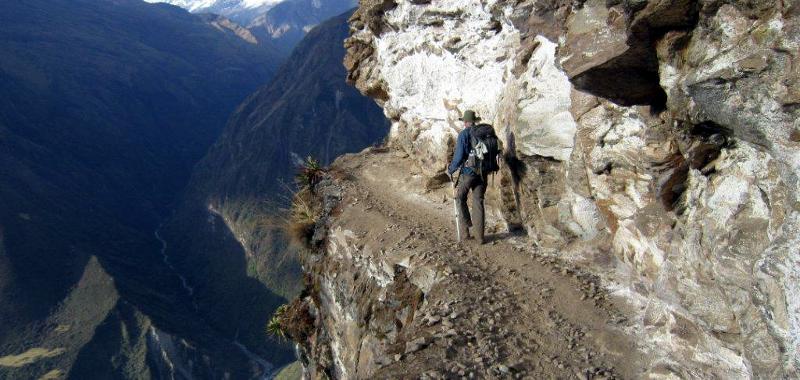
(663, 134)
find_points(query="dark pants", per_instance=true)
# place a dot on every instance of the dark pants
(478, 186)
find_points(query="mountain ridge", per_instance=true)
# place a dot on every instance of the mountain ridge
(227, 236)
(101, 120)
(277, 24)
(240, 11)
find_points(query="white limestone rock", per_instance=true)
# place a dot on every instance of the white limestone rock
(694, 192)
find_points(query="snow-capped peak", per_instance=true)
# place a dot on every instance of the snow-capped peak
(259, 3)
(242, 11)
(190, 5)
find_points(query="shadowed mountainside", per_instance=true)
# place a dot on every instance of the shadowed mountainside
(104, 108)
(226, 236)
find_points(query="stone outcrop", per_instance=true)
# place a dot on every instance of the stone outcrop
(654, 142)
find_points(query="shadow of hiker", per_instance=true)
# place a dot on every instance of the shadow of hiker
(497, 237)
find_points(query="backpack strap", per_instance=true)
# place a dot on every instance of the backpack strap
(472, 139)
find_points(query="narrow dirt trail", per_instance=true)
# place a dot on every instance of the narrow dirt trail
(502, 310)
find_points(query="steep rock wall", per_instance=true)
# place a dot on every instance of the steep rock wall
(654, 141)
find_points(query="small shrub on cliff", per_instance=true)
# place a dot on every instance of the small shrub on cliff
(309, 173)
(274, 324)
(304, 211)
(292, 321)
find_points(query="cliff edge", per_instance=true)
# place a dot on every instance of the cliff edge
(651, 149)
(393, 296)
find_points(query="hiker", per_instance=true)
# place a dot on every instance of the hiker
(476, 154)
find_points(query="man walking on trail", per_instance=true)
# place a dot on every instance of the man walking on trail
(476, 155)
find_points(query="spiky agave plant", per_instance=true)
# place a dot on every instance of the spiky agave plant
(274, 326)
(309, 173)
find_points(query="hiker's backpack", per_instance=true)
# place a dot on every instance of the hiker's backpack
(484, 149)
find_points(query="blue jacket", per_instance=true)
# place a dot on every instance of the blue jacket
(461, 153)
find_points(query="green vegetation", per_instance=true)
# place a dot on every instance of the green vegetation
(304, 210)
(252, 269)
(29, 357)
(292, 371)
(55, 374)
(292, 321)
(310, 173)
(245, 176)
(274, 325)
(303, 218)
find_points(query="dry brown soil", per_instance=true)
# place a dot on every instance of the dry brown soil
(503, 310)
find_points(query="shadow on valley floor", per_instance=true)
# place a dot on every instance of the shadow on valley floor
(229, 293)
(157, 312)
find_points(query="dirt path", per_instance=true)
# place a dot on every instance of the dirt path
(503, 310)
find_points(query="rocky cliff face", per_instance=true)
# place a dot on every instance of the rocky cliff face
(653, 143)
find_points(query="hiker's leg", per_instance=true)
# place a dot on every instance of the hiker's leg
(478, 194)
(470, 183)
(461, 202)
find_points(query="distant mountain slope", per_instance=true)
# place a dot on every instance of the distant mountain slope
(240, 11)
(199, 5)
(224, 24)
(288, 22)
(307, 109)
(227, 232)
(276, 24)
(104, 108)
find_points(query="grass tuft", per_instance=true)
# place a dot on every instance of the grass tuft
(303, 217)
(29, 357)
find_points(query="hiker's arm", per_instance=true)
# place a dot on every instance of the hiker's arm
(458, 154)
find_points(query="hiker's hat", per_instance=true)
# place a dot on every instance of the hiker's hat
(469, 115)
